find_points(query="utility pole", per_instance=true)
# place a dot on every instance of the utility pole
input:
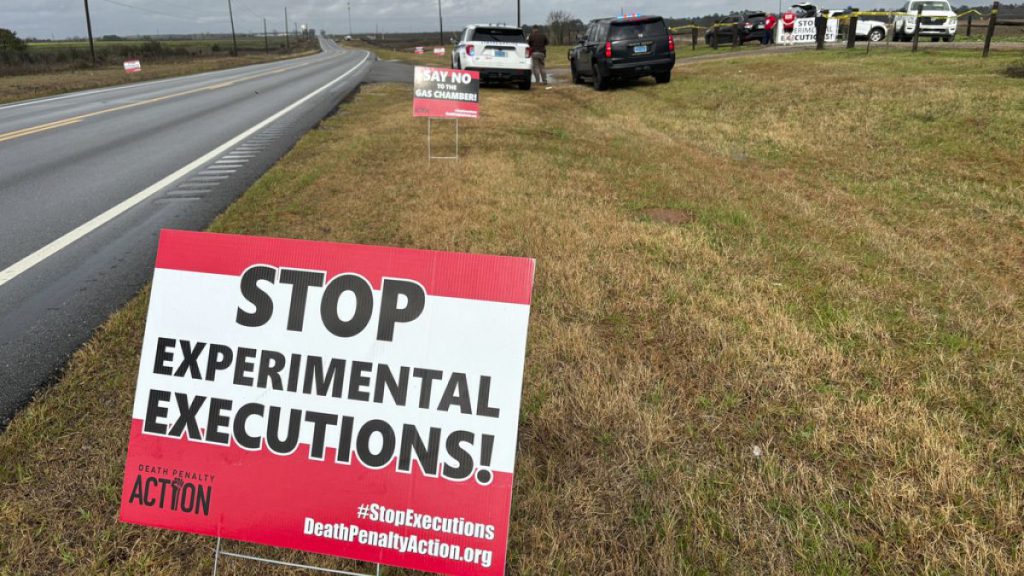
(266, 39)
(440, 21)
(234, 42)
(286, 46)
(88, 24)
(350, 17)
(519, 14)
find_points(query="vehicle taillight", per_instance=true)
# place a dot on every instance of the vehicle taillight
(470, 49)
(607, 49)
(671, 43)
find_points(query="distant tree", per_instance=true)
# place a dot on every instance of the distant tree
(573, 28)
(110, 37)
(558, 24)
(10, 43)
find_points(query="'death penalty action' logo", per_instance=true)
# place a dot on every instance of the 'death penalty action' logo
(348, 400)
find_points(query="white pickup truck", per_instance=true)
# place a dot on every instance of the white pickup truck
(498, 53)
(937, 21)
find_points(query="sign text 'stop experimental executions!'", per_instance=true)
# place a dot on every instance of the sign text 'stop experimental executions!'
(349, 400)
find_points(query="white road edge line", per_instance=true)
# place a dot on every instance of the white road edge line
(19, 267)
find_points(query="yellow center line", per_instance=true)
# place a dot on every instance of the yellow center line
(40, 128)
(76, 119)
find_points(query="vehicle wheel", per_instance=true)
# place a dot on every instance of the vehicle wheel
(600, 82)
(525, 84)
(935, 38)
(876, 35)
(576, 78)
(948, 38)
(663, 78)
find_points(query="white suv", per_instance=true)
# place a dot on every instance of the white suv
(498, 53)
(937, 20)
(867, 27)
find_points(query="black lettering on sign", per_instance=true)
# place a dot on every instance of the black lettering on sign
(402, 301)
(257, 297)
(338, 286)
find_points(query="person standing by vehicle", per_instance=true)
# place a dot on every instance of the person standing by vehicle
(538, 43)
(769, 29)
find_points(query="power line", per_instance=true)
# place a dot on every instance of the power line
(249, 10)
(151, 11)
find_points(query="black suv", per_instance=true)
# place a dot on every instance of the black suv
(624, 47)
(748, 25)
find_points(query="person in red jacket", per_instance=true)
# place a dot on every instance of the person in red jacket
(769, 29)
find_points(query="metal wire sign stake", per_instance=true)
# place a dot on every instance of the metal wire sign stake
(217, 553)
(430, 153)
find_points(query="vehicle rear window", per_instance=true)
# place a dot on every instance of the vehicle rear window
(928, 6)
(633, 30)
(498, 35)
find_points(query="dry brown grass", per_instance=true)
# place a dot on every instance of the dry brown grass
(820, 370)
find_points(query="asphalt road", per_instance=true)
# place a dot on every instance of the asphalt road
(88, 179)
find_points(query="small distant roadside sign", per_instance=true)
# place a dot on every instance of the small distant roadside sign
(445, 93)
(418, 50)
(132, 66)
(439, 51)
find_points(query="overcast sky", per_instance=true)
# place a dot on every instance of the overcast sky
(66, 18)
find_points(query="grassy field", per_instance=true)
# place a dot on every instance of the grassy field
(778, 322)
(194, 46)
(49, 68)
(27, 86)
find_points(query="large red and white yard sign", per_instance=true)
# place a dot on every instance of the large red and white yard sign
(445, 93)
(349, 400)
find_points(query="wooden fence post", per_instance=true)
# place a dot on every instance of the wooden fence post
(991, 28)
(820, 25)
(851, 32)
(970, 17)
(735, 35)
(917, 27)
(693, 35)
(714, 37)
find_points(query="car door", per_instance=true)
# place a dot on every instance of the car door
(587, 50)
(460, 49)
(898, 22)
(728, 29)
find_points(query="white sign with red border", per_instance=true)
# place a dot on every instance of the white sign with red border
(349, 400)
(132, 66)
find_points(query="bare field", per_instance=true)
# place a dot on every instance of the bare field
(778, 322)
